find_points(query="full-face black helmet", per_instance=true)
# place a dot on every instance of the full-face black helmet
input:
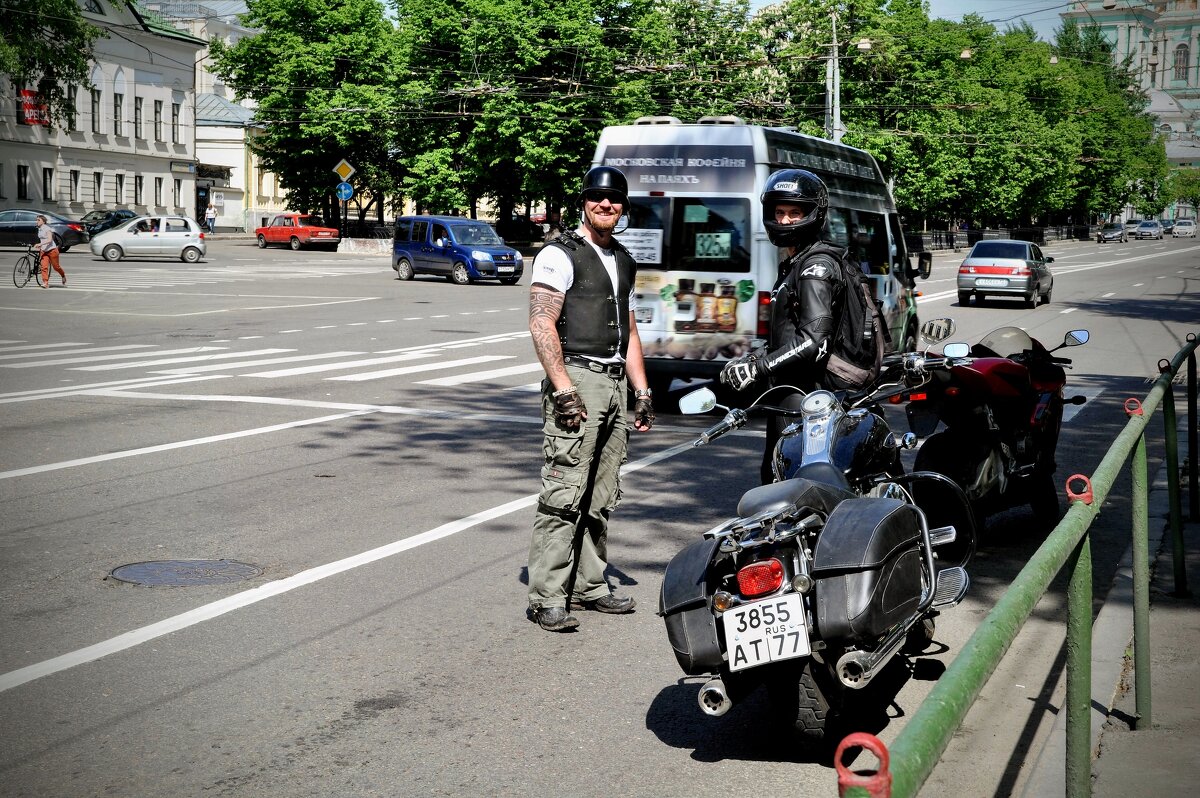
(795, 187)
(606, 180)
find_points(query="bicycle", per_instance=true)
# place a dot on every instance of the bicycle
(27, 266)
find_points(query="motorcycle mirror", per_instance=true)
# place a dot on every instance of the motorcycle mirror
(935, 331)
(1076, 338)
(696, 402)
(956, 350)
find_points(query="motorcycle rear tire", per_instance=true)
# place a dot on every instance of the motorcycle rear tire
(802, 703)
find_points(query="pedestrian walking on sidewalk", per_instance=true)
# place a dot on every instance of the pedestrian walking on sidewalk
(210, 218)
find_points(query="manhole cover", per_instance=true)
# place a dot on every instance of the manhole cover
(180, 573)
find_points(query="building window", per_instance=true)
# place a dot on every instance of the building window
(22, 182)
(177, 194)
(97, 186)
(95, 110)
(137, 189)
(158, 120)
(158, 191)
(120, 198)
(118, 122)
(137, 117)
(72, 107)
(1181, 62)
(175, 123)
(47, 183)
(74, 185)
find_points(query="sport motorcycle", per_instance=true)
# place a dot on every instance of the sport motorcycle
(1001, 406)
(824, 575)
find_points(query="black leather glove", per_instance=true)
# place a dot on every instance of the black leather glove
(643, 413)
(741, 372)
(568, 407)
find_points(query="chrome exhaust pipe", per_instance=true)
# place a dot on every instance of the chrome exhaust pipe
(713, 698)
(856, 668)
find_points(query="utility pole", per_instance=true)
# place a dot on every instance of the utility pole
(833, 88)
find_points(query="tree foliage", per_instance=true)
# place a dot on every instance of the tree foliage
(47, 46)
(448, 102)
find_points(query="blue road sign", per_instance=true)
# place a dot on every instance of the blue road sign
(344, 191)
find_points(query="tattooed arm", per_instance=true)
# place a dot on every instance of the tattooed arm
(545, 305)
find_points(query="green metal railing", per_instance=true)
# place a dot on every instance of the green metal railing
(919, 745)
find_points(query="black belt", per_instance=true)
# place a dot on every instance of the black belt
(614, 370)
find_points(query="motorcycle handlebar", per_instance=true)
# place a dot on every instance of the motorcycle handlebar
(734, 419)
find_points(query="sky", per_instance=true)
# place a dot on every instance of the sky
(1041, 14)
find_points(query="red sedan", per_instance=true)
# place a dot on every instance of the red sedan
(297, 230)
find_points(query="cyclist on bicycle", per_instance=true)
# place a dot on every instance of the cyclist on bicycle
(49, 250)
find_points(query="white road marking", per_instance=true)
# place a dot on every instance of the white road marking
(94, 358)
(280, 586)
(481, 376)
(341, 365)
(42, 346)
(74, 390)
(88, 349)
(449, 364)
(168, 361)
(249, 363)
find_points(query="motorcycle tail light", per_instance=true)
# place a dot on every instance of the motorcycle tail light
(918, 397)
(760, 578)
(952, 391)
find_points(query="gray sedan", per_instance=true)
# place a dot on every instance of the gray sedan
(153, 237)
(1005, 268)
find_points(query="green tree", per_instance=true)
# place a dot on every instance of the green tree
(47, 45)
(320, 74)
(1185, 187)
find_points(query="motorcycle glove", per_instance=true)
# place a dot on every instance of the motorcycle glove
(741, 372)
(643, 413)
(569, 410)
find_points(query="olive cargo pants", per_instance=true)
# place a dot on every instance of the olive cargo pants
(581, 486)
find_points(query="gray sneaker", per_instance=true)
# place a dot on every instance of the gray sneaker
(555, 619)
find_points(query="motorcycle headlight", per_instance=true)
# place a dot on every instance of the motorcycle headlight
(480, 255)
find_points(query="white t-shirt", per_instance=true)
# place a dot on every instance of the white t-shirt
(552, 266)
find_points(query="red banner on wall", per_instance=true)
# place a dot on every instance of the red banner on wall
(33, 110)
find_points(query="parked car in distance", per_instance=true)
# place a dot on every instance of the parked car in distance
(99, 221)
(1005, 268)
(18, 228)
(152, 237)
(518, 229)
(1131, 226)
(297, 230)
(463, 250)
(1150, 228)
(1184, 228)
(1168, 226)
(1113, 231)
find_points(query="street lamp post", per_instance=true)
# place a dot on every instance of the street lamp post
(833, 89)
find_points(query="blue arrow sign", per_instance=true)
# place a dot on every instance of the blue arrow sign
(344, 191)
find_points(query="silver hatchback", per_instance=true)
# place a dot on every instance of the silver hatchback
(152, 237)
(1005, 268)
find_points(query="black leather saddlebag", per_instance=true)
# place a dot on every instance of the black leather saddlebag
(683, 603)
(867, 568)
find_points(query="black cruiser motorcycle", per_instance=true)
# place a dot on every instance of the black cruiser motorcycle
(828, 572)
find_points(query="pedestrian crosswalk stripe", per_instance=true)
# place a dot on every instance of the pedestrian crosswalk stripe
(450, 364)
(71, 351)
(94, 358)
(481, 376)
(39, 346)
(170, 360)
(374, 361)
(267, 362)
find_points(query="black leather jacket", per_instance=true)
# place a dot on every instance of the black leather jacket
(804, 305)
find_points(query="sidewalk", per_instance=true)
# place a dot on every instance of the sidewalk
(1163, 759)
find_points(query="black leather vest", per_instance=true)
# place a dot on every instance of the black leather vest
(592, 318)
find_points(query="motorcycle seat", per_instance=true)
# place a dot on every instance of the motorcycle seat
(793, 493)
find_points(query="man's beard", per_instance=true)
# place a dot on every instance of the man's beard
(602, 225)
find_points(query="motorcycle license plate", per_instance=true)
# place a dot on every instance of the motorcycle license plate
(766, 631)
(991, 282)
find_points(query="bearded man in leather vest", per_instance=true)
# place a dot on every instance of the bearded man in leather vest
(581, 318)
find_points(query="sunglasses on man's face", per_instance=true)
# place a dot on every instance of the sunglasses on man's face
(599, 195)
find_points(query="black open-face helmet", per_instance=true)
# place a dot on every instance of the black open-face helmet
(606, 180)
(794, 187)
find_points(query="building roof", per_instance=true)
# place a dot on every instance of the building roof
(154, 23)
(214, 111)
(198, 9)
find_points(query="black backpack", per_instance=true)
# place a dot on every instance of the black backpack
(862, 333)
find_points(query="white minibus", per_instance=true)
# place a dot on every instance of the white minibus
(706, 268)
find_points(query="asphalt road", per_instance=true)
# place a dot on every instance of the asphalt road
(373, 448)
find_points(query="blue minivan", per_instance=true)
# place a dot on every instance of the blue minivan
(463, 250)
